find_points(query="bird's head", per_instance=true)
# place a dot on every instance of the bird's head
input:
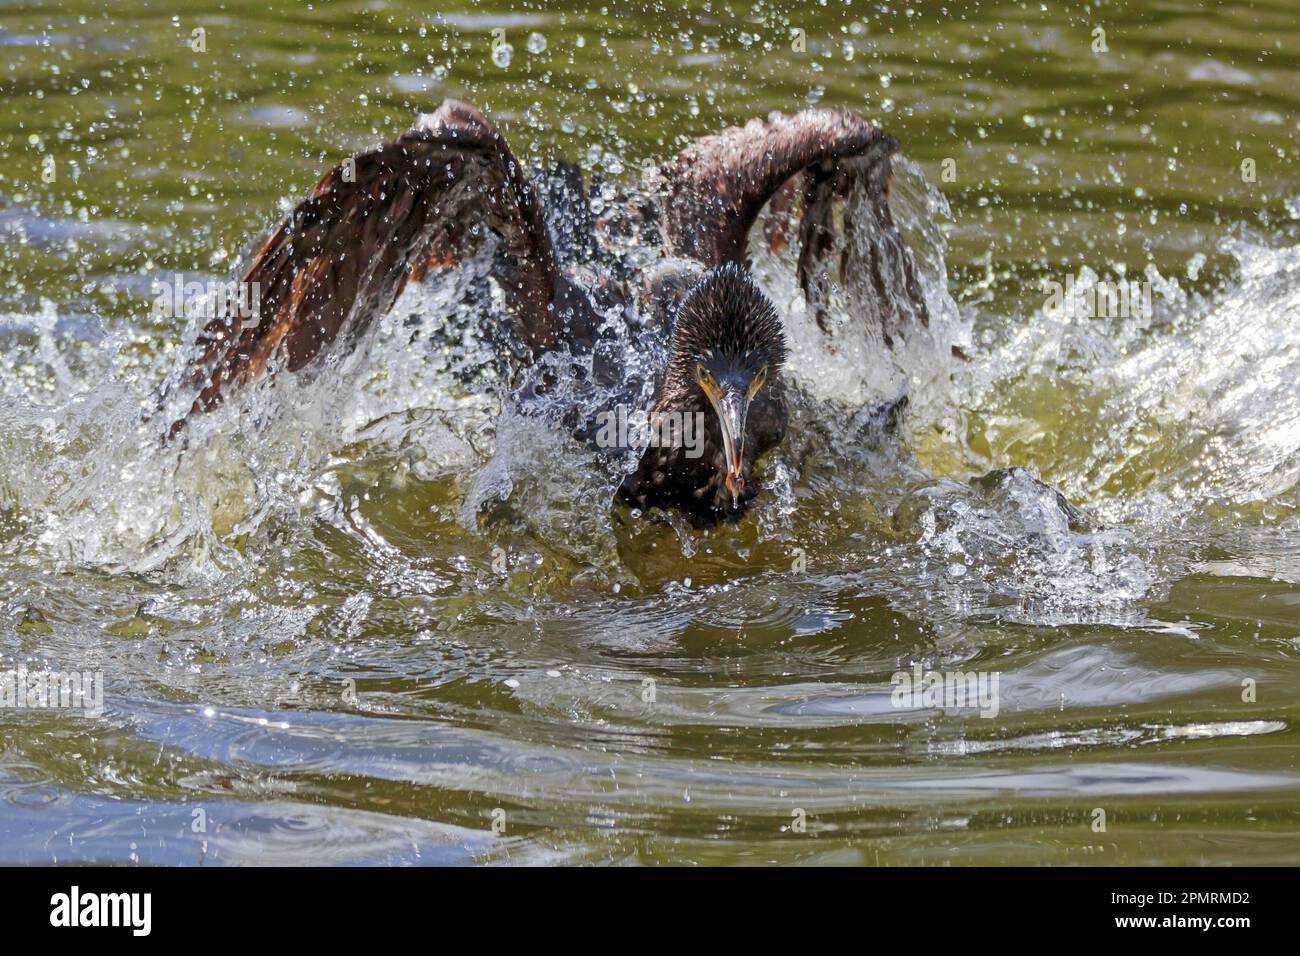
(724, 359)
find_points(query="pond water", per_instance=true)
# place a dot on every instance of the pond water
(376, 618)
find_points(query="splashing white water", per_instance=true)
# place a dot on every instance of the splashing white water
(1203, 394)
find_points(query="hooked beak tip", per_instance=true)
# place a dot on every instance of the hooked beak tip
(735, 483)
(732, 407)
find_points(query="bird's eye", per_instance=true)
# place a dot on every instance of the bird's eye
(758, 381)
(703, 375)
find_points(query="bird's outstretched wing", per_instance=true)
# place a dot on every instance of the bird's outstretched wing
(429, 198)
(713, 190)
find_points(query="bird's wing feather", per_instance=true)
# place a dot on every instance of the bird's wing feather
(428, 198)
(713, 190)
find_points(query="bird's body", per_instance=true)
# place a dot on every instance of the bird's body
(449, 187)
(726, 329)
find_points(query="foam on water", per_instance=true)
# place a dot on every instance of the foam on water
(1191, 406)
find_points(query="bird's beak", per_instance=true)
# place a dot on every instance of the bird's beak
(732, 407)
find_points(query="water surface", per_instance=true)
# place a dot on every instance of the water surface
(362, 618)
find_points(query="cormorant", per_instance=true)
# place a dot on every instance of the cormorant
(448, 186)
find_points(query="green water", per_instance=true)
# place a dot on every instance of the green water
(315, 651)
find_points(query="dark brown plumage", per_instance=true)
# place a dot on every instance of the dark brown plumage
(729, 327)
(434, 196)
(428, 199)
(713, 190)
